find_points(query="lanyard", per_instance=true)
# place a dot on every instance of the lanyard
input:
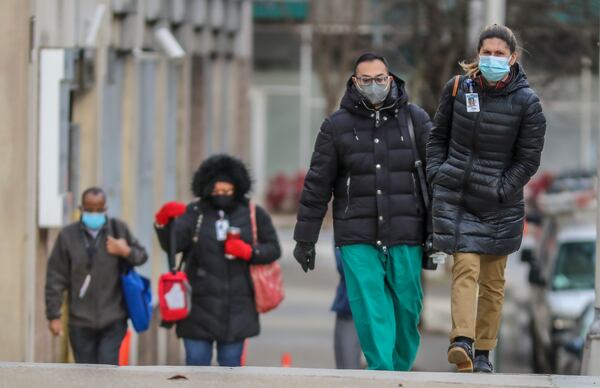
(90, 248)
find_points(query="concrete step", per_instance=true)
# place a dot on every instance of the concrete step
(18, 375)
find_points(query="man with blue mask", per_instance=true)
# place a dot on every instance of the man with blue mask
(364, 157)
(86, 262)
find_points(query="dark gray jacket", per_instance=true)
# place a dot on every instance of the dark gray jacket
(68, 266)
(478, 164)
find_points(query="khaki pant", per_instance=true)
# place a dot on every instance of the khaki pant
(477, 316)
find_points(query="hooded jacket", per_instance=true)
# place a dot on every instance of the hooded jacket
(364, 158)
(223, 306)
(478, 164)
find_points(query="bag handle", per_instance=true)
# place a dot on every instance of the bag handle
(123, 266)
(252, 206)
(418, 162)
(171, 254)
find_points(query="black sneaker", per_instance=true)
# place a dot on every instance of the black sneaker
(460, 353)
(482, 364)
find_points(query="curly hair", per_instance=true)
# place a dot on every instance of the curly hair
(218, 166)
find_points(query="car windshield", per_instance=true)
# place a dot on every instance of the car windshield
(575, 266)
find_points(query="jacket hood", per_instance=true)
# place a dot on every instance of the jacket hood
(354, 102)
(222, 168)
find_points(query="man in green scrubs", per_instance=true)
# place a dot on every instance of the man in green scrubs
(363, 156)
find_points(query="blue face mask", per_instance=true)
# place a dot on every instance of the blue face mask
(93, 221)
(493, 68)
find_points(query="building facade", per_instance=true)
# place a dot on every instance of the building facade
(129, 95)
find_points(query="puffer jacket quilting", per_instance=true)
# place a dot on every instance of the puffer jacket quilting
(364, 158)
(478, 164)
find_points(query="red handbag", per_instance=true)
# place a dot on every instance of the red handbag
(174, 296)
(174, 290)
(267, 278)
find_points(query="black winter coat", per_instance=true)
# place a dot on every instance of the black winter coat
(223, 306)
(364, 158)
(478, 164)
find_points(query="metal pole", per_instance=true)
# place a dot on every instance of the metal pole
(586, 113)
(258, 140)
(591, 352)
(305, 92)
(495, 12)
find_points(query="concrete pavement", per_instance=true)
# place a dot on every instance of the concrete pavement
(17, 375)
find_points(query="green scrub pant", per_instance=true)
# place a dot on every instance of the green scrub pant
(384, 290)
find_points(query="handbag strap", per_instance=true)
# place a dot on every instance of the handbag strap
(418, 162)
(123, 266)
(252, 206)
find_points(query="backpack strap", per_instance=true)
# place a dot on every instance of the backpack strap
(418, 162)
(456, 83)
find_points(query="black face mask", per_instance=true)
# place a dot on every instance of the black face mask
(223, 202)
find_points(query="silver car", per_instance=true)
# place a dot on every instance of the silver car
(562, 280)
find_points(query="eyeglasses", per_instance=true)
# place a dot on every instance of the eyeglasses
(366, 81)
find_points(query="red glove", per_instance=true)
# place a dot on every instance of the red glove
(239, 249)
(169, 211)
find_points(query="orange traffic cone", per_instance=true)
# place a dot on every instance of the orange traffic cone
(286, 360)
(244, 352)
(124, 349)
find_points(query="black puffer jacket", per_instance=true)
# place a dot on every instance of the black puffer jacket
(223, 306)
(478, 164)
(222, 292)
(364, 158)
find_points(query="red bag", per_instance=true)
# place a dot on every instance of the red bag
(174, 290)
(267, 278)
(174, 296)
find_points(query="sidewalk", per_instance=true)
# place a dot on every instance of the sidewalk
(17, 375)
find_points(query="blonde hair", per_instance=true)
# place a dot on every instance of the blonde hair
(499, 31)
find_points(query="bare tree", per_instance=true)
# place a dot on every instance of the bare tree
(440, 36)
(335, 37)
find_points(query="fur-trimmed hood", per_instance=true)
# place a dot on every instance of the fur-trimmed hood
(219, 166)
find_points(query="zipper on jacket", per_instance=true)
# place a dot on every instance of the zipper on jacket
(377, 111)
(475, 147)
(355, 134)
(348, 182)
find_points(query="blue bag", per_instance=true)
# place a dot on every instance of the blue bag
(137, 294)
(138, 299)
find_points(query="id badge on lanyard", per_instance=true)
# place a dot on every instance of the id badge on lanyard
(91, 252)
(472, 99)
(221, 226)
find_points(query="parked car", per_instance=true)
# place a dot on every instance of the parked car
(562, 288)
(570, 355)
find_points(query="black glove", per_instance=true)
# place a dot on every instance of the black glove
(305, 255)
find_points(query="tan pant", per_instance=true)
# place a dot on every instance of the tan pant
(477, 316)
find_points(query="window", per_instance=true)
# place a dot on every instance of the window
(575, 266)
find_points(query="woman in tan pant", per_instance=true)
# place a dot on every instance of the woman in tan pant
(484, 147)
